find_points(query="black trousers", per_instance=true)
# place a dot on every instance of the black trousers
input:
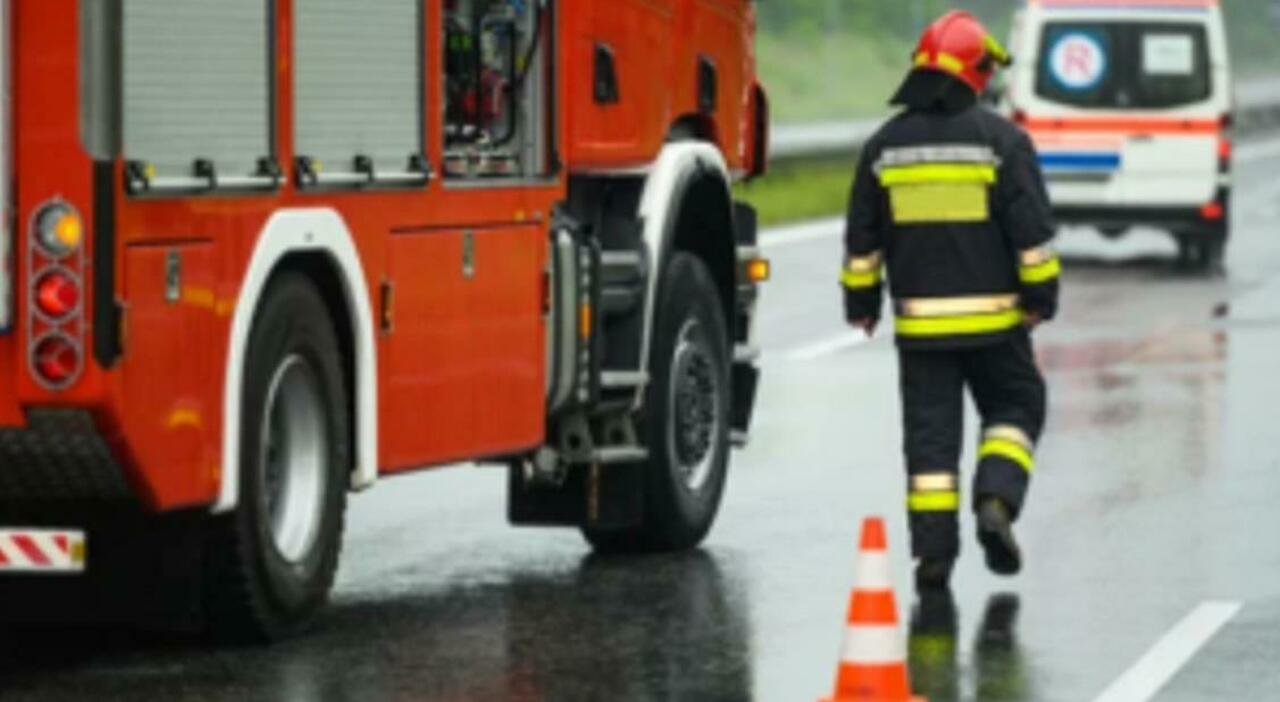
(1010, 394)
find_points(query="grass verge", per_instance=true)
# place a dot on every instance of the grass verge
(796, 192)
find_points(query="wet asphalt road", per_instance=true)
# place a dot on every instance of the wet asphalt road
(1157, 490)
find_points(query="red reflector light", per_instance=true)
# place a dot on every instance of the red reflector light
(1224, 148)
(1212, 211)
(1019, 117)
(57, 360)
(57, 294)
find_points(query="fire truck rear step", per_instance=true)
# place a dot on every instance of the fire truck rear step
(619, 454)
(614, 380)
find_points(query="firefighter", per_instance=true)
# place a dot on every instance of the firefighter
(949, 206)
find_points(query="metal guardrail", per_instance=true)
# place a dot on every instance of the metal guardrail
(1257, 108)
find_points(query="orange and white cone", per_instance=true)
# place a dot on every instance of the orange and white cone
(873, 665)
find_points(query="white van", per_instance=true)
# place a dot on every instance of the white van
(1129, 103)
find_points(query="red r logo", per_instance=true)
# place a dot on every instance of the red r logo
(1078, 60)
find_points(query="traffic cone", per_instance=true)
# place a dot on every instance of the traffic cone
(873, 665)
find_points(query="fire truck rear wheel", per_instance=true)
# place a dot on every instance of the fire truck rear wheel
(271, 562)
(685, 423)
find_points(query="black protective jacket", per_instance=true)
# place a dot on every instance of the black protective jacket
(950, 202)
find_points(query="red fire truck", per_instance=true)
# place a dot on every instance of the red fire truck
(259, 253)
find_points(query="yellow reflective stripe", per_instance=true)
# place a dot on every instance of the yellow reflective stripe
(1040, 273)
(939, 202)
(1010, 450)
(1008, 432)
(931, 173)
(965, 324)
(933, 501)
(939, 192)
(949, 306)
(855, 280)
(947, 62)
(997, 51)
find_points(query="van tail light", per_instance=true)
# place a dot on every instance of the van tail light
(1225, 149)
(1227, 121)
(56, 359)
(1213, 211)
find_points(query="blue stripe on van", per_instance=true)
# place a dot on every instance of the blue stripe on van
(1080, 161)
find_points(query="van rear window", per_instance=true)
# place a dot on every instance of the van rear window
(1124, 65)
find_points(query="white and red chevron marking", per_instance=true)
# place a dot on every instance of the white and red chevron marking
(42, 551)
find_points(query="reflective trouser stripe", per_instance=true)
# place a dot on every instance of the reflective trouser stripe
(1009, 432)
(1005, 448)
(933, 482)
(1041, 272)
(958, 325)
(934, 501)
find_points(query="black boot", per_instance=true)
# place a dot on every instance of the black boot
(933, 574)
(995, 533)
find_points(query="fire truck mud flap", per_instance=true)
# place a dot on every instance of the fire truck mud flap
(597, 496)
(115, 565)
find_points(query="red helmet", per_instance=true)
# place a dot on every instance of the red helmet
(958, 44)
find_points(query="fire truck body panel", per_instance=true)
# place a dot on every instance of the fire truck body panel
(658, 49)
(463, 337)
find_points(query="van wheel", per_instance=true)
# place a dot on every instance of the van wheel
(1201, 252)
(685, 423)
(271, 562)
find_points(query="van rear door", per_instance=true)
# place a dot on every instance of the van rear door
(1142, 128)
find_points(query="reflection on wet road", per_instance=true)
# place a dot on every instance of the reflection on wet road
(1156, 492)
(998, 667)
(680, 632)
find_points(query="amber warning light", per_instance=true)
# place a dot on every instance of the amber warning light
(59, 230)
(757, 270)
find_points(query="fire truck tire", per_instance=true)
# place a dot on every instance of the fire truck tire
(271, 562)
(685, 422)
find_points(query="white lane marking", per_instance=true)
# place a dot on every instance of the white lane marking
(1158, 666)
(803, 233)
(826, 347)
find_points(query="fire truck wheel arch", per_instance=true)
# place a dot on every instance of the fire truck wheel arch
(659, 209)
(288, 232)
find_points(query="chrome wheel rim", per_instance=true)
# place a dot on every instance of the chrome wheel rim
(293, 458)
(693, 431)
